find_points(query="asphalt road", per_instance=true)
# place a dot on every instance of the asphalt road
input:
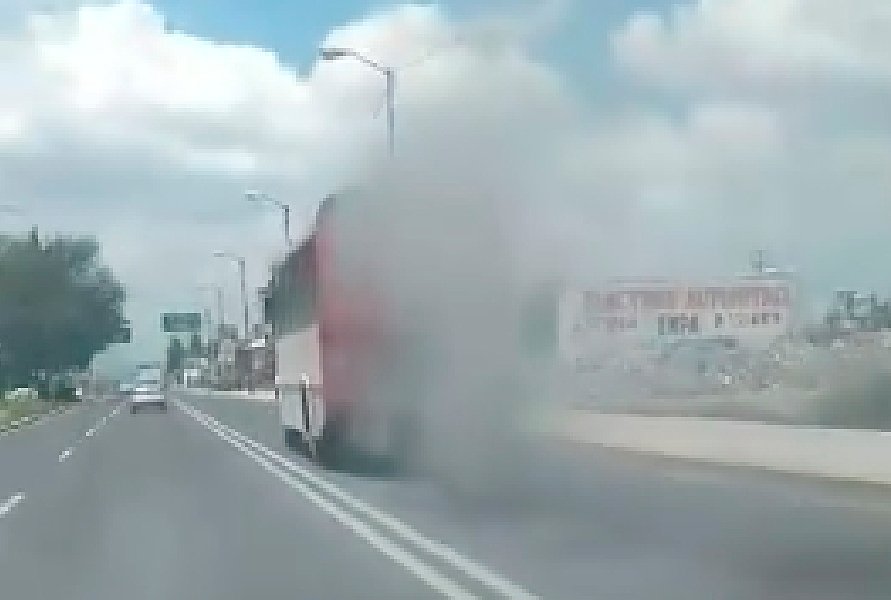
(204, 502)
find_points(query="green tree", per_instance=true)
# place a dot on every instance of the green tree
(176, 354)
(59, 305)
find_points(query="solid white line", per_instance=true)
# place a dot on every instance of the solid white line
(472, 569)
(385, 545)
(10, 503)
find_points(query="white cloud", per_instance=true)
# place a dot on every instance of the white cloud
(778, 126)
(765, 47)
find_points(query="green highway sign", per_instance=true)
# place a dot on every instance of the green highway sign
(181, 322)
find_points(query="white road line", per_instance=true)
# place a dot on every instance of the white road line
(382, 543)
(469, 567)
(472, 569)
(88, 433)
(10, 503)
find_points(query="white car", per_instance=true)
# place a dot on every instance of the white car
(148, 393)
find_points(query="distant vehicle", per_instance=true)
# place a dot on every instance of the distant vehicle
(148, 391)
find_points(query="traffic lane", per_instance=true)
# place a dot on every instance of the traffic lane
(28, 455)
(600, 522)
(156, 506)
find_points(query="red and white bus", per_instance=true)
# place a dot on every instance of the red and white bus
(396, 333)
(335, 329)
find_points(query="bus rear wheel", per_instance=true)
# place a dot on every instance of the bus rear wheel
(330, 449)
(292, 439)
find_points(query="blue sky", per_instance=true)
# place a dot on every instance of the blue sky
(294, 28)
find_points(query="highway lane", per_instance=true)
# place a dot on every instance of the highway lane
(28, 455)
(603, 525)
(205, 502)
(159, 506)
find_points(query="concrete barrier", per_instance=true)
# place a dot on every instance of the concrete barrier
(253, 395)
(857, 455)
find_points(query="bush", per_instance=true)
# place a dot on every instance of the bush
(859, 396)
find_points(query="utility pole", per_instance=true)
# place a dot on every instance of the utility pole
(758, 263)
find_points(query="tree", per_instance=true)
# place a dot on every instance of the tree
(176, 354)
(59, 306)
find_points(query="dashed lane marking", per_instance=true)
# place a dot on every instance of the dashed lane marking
(66, 454)
(10, 503)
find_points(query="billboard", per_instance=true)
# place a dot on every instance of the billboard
(741, 295)
(189, 322)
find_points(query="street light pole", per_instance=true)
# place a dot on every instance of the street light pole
(240, 261)
(220, 317)
(287, 218)
(244, 298)
(389, 74)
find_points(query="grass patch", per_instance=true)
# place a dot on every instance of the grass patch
(14, 411)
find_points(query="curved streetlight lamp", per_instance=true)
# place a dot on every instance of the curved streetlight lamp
(331, 54)
(261, 197)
